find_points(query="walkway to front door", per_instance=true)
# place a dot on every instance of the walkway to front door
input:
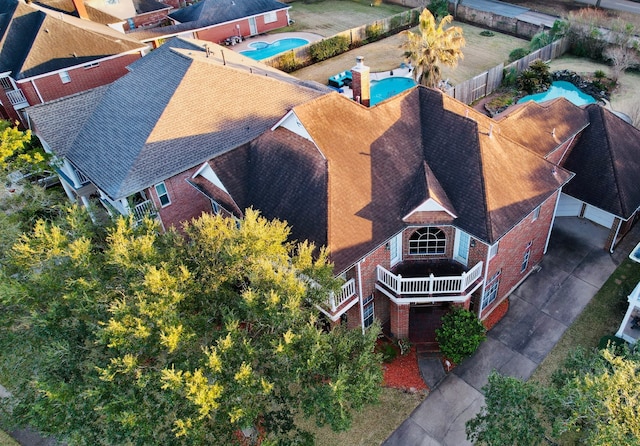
(423, 322)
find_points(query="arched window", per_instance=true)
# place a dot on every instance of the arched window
(427, 241)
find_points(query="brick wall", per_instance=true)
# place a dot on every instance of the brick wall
(219, 33)
(512, 247)
(186, 201)
(82, 79)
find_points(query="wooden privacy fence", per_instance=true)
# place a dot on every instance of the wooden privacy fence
(486, 83)
(356, 37)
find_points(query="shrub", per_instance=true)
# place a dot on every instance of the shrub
(535, 78)
(460, 335)
(510, 77)
(599, 74)
(404, 345)
(487, 33)
(327, 48)
(540, 40)
(518, 53)
(288, 62)
(388, 351)
(439, 8)
(373, 31)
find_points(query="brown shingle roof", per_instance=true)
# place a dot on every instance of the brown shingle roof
(35, 42)
(375, 155)
(606, 160)
(542, 127)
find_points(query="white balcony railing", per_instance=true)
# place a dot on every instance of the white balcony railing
(430, 285)
(348, 291)
(146, 208)
(17, 99)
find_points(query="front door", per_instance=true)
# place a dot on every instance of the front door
(462, 247)
(253, 28)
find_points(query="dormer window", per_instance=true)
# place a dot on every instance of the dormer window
(428, 241)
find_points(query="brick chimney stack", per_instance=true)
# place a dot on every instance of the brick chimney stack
(82, 10)
(360, 82)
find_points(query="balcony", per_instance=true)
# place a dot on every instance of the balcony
(429, 282)
(339, 303)
(17, 99)
(144, 209)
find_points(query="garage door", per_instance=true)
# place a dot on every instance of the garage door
(568, 206)
(599, 216)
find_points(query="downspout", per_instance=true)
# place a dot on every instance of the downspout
(613, 242)
(35, 87)
(553, 219)
(360, 295)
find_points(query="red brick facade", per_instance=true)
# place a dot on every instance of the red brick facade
(186, 202)
(512, 247)
(81, 79)
(219, 33)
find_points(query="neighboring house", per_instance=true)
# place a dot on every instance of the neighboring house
(43, 57)
(605, 156)
(217, 20)
(180, 106)
(422, 201)
(120, 15)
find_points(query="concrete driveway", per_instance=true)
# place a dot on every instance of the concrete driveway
(541, 309)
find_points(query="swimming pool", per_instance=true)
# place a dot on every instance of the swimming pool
(391, 86)
(262, 50)
(558, 89)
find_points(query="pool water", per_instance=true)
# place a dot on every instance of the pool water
(391, 86)
(561, 89)
(262, 50)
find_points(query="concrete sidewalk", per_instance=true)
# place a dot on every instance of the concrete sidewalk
(540, 310)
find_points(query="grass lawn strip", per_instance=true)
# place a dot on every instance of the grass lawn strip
(330, 17)
(374, 424)
(602, 316)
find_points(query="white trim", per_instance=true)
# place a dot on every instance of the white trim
(35, 87)
(426, 300)
(429, 205)
(397, 239)
(206, 172)
(553, 220)
(613, 242)
(360, 296)
(336, 316)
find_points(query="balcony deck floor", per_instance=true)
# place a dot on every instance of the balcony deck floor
(445, 268)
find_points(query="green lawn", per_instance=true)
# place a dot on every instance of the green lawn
(330, 17)
(6, 440)
(601, 317)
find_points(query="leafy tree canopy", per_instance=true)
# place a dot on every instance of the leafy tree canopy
(18, 150)
(593, 399)
(129, 336)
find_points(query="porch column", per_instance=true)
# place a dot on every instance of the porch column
(399, 320)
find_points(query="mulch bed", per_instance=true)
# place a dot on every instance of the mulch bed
(496, 315)
(403, 373)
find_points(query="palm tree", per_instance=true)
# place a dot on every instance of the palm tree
(433, 46)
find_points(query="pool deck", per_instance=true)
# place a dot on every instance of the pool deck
(270, 38)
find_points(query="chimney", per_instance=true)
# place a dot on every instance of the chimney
(82, 10)
(360, 82)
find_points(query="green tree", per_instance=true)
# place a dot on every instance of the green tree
(432, 47)
(593, 399)
(129, 336)
(18, 150)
